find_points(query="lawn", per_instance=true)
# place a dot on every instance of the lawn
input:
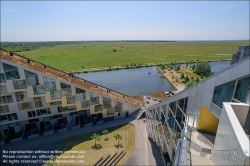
(84, 143)
(73, 57)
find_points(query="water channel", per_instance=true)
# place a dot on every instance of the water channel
(137, 81)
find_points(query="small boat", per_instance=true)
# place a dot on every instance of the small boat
(149, 73)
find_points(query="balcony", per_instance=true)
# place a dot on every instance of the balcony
(38, 89)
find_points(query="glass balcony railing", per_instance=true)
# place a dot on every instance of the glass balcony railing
(110, 111)
(55, 94)
(49, 86)
(71, 99)
(38, 89)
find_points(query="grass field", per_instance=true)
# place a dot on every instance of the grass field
(83, 142)
(100, 54)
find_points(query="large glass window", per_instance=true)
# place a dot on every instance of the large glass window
(49, 83)
(66, 89)
(38, 102)
(172, 106)
(11, 72)
(31, 78)
(55, 103)
(3, 118)
(24, 106)
(241, 89)
(223, 93)
(43, 111)
(4, 109)
(19, 84)
(94, 98)
(118, 106)
(106, 102)
(19, 96)
(98, 107)
(85, 104)
(80, 94)
(6, 99)
(31, 114)
(38, 89)
(2, 78)
(71, 99)
(55, 94)
(69, 108)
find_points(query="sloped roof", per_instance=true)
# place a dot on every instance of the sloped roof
(23, 61)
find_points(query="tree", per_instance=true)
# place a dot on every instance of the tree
(118, 137)
(197, 79)
(189, 83)
(182, 76)
(186, 79)
(203, 69)
(105, 132)
(96, 137)
(193, 67)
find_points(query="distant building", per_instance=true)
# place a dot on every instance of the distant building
(243, 52)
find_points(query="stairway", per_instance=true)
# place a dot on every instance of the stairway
(198, 148)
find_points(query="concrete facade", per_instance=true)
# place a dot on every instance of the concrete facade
(198, 95)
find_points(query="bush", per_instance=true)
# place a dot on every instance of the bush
(203, 69)
(189, 83)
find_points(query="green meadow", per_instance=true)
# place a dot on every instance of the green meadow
(72, 57)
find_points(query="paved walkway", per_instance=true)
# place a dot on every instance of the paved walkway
(146, 153)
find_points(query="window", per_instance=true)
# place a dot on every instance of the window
(11, 72)
(55, 103)
(31, 78)
(38, 102)
(94, 98)
(80, 94)
(6, 99)
(64, 109)
(49, 83)
(38, 89)
(24, 106)
(2, 78)
(3, 89)
(3, 118)
(118, 106)
(43, 111)
(241, 89)
(66, 89)
(71, 99)
(4, 109)
(85, 104)
(19, 84)
(98, 107)
(31, 114)
(55, 94)
(106, 102)
(19, 96)
(223, 93)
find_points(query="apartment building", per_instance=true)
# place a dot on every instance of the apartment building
(37, 100)
(207, 123)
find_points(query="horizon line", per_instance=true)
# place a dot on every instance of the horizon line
(126, 40)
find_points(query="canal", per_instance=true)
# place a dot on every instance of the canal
(133, 82)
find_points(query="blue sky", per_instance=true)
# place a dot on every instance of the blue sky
(124, 20)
